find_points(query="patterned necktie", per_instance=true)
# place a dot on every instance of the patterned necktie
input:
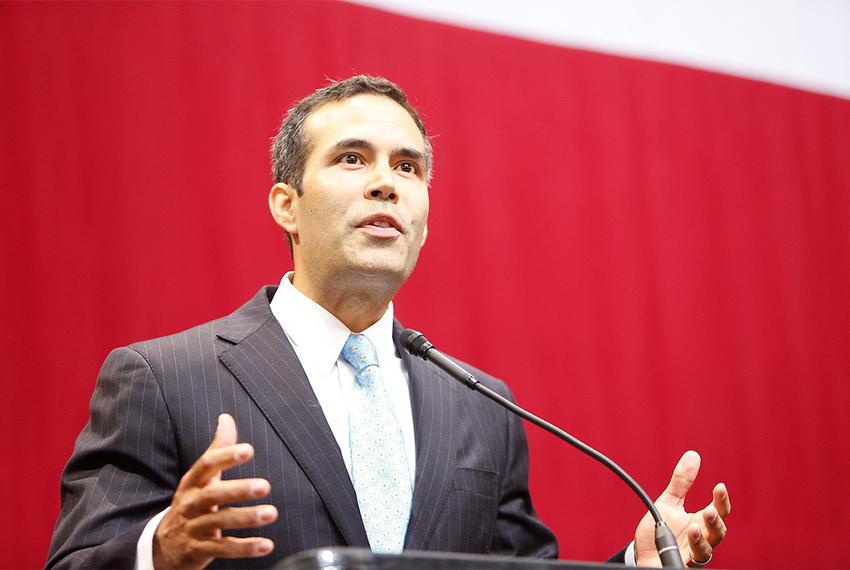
(379, 469)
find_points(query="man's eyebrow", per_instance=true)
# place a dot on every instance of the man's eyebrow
(410, 153)
(351, 143)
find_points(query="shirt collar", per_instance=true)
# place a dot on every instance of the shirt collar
(320, 336)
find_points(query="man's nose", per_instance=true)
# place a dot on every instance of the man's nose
(381, 186)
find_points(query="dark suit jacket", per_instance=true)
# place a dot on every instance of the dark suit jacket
(154, 412)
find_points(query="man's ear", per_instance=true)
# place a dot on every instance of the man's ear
(282, 198)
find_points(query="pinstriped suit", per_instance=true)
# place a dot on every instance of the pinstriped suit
(154, 413)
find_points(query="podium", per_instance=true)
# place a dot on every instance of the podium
(365, 559)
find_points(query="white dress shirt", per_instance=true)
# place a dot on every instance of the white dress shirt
(317, 338)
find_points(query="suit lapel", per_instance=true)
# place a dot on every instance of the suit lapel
(432, 398)
(264, 363)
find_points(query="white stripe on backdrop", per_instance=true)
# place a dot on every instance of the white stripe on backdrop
(801, 43)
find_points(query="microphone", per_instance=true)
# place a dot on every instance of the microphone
(417, 345)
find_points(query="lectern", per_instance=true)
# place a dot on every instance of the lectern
(365, 559)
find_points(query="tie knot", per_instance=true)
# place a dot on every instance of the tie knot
(360, 353)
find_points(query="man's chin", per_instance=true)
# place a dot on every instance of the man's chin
(380, 269)
(382, 272)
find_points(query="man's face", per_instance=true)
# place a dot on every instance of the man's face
(362, 215)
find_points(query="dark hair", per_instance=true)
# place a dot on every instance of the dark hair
(291, 147)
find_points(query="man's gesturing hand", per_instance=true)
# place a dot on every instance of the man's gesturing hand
(189, 535)
(697, 534)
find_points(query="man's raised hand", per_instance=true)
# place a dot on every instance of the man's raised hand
(189, 535)
(697, 534)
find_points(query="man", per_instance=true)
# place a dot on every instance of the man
(351, 441)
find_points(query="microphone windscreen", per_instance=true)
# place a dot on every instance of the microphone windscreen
(406, 337)
(415, 342)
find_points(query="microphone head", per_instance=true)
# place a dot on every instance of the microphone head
(415, 343)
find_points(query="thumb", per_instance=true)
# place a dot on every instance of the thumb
(683, 478)
(225, 433)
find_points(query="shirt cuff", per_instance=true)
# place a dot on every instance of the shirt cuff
(144, 548)
(629, 557)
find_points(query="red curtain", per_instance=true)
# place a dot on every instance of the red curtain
(654, 257)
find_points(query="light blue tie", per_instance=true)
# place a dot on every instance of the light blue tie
(379, 469)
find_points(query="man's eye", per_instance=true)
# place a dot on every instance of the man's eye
(350, 159)
(407, 167)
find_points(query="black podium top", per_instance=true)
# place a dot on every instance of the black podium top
(365, 559)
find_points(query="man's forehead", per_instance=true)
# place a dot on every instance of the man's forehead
(360, 116)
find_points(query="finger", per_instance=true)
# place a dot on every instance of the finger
(213, 462)
(231, 547)
(683, 478)
(720, 500)
(220, 492)
(234, 517)
(225, 433)
(700, 548)
(715, 528)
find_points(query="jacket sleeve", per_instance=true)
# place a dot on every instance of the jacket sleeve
(123, 470)
(518, 530)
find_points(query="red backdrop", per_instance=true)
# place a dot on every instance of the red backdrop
(665, 251)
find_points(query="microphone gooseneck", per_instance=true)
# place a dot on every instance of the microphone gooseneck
(417, 345)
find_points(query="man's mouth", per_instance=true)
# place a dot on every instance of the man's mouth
(382, 225)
